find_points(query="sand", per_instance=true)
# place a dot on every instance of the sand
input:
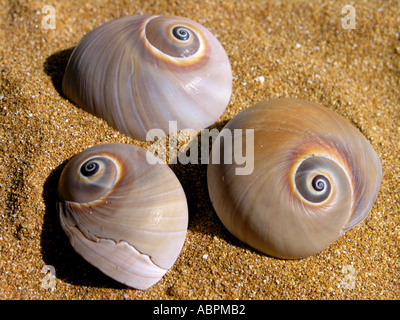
(277, 49)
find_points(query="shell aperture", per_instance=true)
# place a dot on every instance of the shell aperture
(315, 177)
(140, 72)
(123, 215)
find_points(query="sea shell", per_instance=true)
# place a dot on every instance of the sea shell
(125, 216)
(315, 176)
(140, 72)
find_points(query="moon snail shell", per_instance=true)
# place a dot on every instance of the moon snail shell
(315, 176)
(123, 215)
(140, 72)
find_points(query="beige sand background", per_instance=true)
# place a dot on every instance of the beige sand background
(299, 47)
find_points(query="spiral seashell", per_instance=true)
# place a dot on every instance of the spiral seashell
(123, 215)
(315, 176)
(140, 72)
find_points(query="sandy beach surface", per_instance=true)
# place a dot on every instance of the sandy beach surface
(284, 48)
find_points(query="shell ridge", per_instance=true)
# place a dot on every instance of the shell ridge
(144, 110)
(96, 99)
(112, 106)
(127, 87)
(360, 211)
(118, 109)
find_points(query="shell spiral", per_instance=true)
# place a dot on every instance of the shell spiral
(123, 215)
(315, 176)
(140, 72)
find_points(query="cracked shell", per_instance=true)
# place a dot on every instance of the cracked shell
(125, 216)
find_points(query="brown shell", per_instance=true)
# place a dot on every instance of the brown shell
(298, 145)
